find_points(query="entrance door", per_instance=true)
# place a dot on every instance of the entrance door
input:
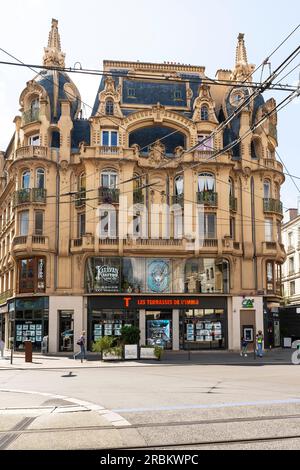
(66, 331)
(159, 329)
(276, 333)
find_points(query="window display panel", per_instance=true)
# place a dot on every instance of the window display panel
(133, 275)
(158, 275)
(204, 329)
(206, 276)
(103, 274)
(106, 322)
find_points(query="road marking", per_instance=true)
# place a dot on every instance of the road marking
(78, 405)
(208, 406)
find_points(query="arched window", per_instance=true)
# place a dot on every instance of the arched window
(25, 180)
(82, 182)
(109, 179)
(267, 189)
(231, 188)
(109, 107)
(206, 182)
(178, 185)
(204, 113)
(34, 109)
(40, 178)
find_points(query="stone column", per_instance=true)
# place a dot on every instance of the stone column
(142, 325)
(175, 330)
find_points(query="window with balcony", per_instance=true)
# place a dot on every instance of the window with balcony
(204, 113)
(232, 228)
(109, 179)
(206, 142)
(40, 178)
(268, 230)
(178, 190)
(110, 138)
(34, 140)
(207, 225)
(23, 223)
(267, 189)
(270, 276)
(108, 223)
(38, 222)
(32, 275)
(109, 108)
(25, 179)
(206, 189)
(81, 225)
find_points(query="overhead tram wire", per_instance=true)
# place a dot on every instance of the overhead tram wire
(206, 81)
(218, 129)
(222, 124)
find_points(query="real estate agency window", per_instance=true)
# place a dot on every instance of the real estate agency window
(32, 275)
(110, 138)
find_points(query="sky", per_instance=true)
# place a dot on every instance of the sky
(193, 32)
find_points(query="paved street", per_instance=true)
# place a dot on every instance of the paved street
(58, 403)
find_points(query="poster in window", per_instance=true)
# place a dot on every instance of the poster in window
(103, 275)
(158, 275)
(39, 339)
(19, 338)
(38, 327)
(19, 327)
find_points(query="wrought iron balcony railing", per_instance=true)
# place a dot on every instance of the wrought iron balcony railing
(108, 195)
(31, 115)
(273, 205)
(208, 198)
(138, 196)
(28, 195)
(178, 199)
(233, 203)
(80, 198)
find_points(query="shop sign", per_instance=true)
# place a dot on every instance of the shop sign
(248, 303)
(158, 302)
(109, 274)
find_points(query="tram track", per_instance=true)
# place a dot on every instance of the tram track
(164, 424)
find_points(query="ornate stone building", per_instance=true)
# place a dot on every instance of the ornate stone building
(129, 217)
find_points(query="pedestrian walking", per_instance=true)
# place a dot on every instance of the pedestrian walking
(2, 345)
(259, 343)
(81, 343)
(244, 346)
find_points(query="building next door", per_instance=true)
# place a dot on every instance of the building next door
(159, 329)
(66, 330)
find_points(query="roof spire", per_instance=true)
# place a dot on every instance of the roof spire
(53, 55)
(241, 53)
(242, 69)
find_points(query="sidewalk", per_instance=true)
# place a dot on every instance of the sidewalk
(170, 358)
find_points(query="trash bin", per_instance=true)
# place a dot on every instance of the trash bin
(28, 351)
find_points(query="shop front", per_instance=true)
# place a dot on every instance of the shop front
(28, 320)
(173, 322)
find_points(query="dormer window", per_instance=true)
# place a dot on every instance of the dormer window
(109, 107)
(204, 113)
(131, 92)
(110, 138)
(35, 109)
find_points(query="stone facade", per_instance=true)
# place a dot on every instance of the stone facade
(146, 145)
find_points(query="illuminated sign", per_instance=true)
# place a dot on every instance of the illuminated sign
(248, 303)
(150, 302)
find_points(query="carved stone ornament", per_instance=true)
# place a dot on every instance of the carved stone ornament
(178, 151)
(157, 152)
(136, 150)
(64, 165)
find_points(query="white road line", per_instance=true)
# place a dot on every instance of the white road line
(112, 417)
(208, 406)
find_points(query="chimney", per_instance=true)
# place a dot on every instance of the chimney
(293, 214)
